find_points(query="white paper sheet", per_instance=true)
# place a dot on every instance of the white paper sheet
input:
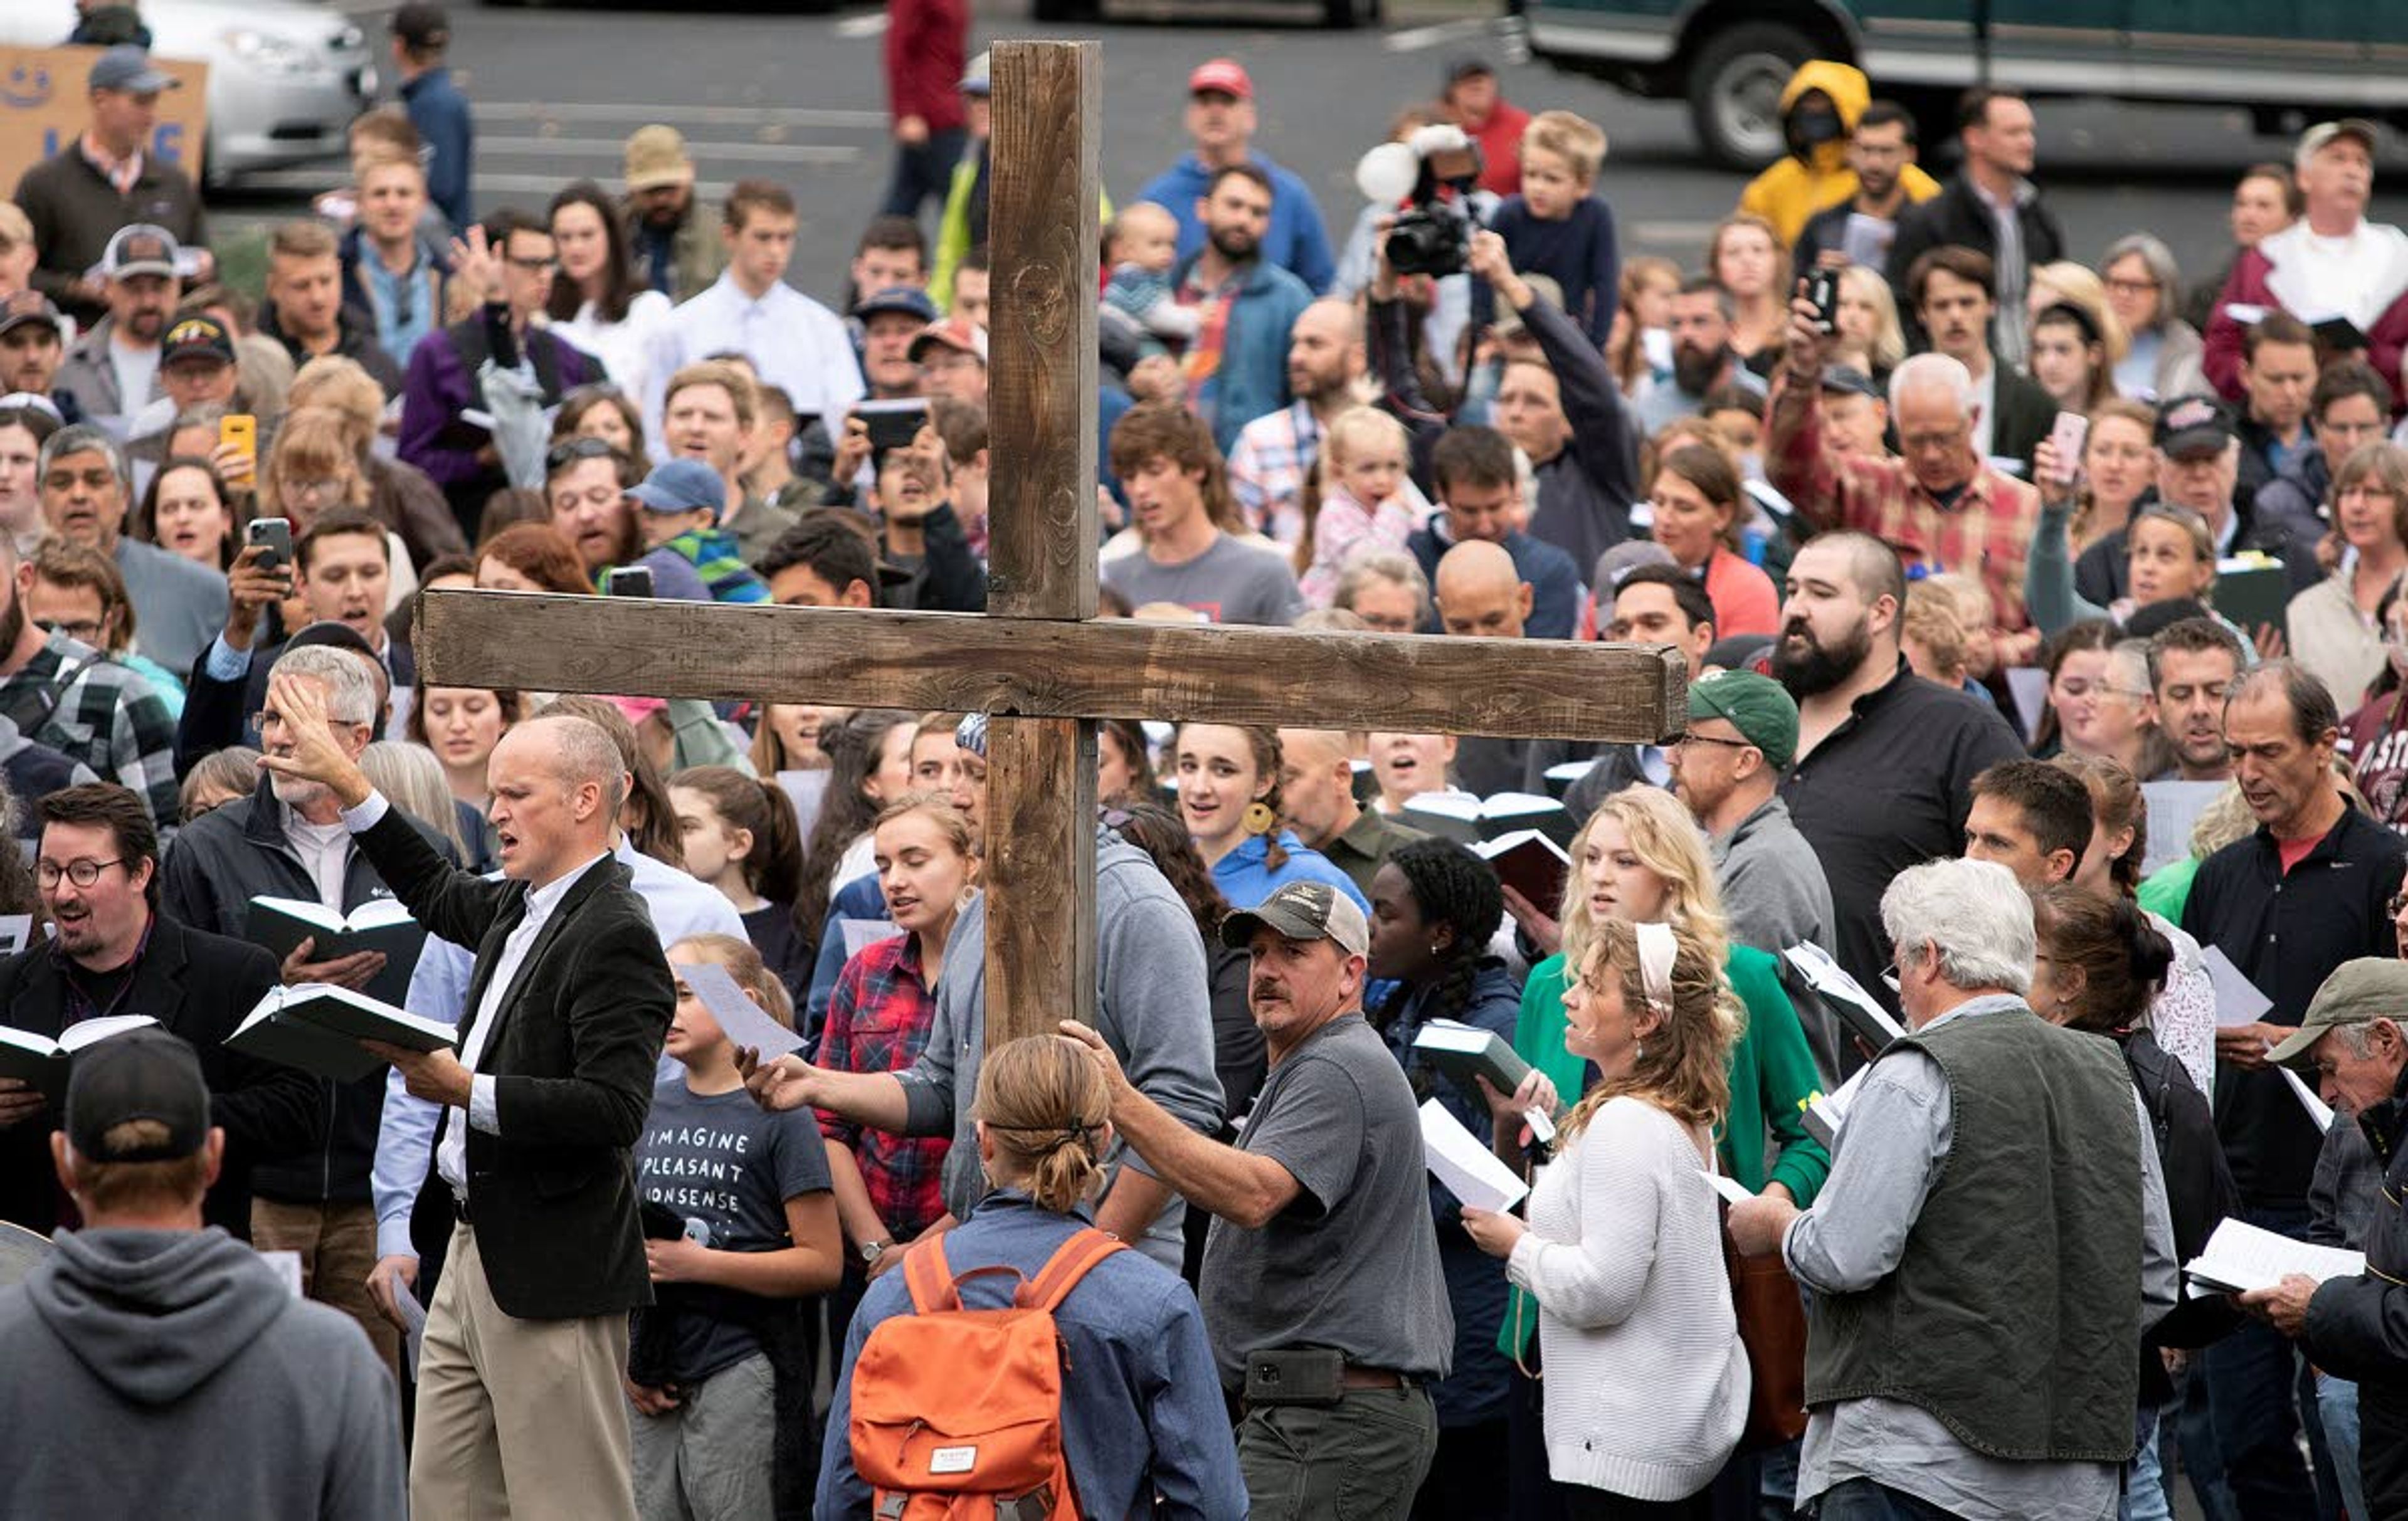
(1727, 1185)
(2241, 1257)
(413, 1321)
(739, 1017)
(2237, 999)
(2318, 1109)
(1471, 1172)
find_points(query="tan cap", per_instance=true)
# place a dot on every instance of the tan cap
(2363, 989)
(656, 157)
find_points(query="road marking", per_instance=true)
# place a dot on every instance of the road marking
(862, 26)
(699, 152)
(1680, 235)
(313, 181)
(715, 116)
(1417, 39)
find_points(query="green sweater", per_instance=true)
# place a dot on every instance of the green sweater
(1772, 1076)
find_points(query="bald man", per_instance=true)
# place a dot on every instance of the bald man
(1481, 595)
(1269, 462)
(533, 1181)
(1317, 801)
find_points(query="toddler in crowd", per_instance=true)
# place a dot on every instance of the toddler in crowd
(1557, 228)
(1140, 247)
(1365, 500)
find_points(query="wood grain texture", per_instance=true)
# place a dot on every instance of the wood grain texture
(1040, 668)
(1039, 873)
(1041, 377)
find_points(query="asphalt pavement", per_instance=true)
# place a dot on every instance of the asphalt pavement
(799, 97)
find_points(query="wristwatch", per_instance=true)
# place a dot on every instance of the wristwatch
(872, 1251)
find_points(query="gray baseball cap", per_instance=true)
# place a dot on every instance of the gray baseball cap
(1302, 910)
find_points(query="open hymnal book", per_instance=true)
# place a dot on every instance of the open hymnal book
(1875, 1024)
(1472, 1174)
(381, 925)
(318, 1028)
(1531, 864)
(43, 1062)
(1468, 820)
(2241, 1257)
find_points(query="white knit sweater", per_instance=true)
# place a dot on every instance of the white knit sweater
(1645, 1381)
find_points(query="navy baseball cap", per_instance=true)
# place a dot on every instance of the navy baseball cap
(682, 485)
(908, 299)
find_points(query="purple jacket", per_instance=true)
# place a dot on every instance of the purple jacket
(442, 381)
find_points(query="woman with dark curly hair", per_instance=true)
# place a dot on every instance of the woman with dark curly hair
(1435, 907)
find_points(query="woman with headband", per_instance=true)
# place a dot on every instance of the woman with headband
(1646, 1386)
(1142, 1414)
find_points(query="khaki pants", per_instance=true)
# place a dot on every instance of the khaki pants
(337, 1245)
(523, 1419)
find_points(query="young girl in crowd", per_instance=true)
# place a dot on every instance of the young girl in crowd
(1871, 336)
(462, 724)
(869, 766)
(1142, 1414)
(1229, 794)
(1746, 256)
(1408, 765)
(740, 836)
(1435, 906)
(187, 512)
(603, 411)
(889, 1186)
(1124, 763)
(1639, 348)
(2069, 358)
(715, 1364)
(1366, 499)
(1646, 1384)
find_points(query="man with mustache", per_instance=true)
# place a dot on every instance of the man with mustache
(1884, 769)
(1325, 1188)
(1702, 359)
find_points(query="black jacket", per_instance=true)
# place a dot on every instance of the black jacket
(553, 1196)
(1958, 215)
(198, 986)
(354, 339)
(2025, 412)
(2198, 1195)
(216, 866)
(2357, 1327)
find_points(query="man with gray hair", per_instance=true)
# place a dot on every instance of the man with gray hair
(179, 604)
(533, 1180)
(1994, 1178)
(287, 839)
(1940, 503)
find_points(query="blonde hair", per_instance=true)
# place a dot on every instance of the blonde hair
(750, 972)
(742, 393)
(951, 822)
(411, 776)
(1577, 140)
(2078, 286)
(1666, 840)
(314, 443)
(1357, 427)
(341, 385)
(1889, 346)
(1931, 620)
(1044, 1104)
(1684, 1067)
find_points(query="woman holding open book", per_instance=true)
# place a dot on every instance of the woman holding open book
(1646, 1389)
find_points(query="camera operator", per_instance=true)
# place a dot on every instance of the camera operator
(1565, 412)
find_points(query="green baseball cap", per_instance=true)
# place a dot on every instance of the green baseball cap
(2369, 987)
(1757, 706)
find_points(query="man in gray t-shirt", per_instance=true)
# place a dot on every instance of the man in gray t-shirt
(1229, 582)
(1321, 1285)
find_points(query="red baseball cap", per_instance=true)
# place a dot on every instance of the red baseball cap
(1223, 74)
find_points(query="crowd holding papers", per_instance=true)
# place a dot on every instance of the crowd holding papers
(381, 925)
(1847, 997)
(1457, 1158)
(2241, 1257)
(1468, 820)
(43, 1062)
(318, 1028)
(2237, 1001)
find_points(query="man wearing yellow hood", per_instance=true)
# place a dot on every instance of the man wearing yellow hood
(1819, 109)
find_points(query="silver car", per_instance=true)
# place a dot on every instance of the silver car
(285, 78)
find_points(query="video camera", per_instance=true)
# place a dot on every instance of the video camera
(1433, 235)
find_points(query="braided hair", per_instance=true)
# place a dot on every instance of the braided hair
(1457, 889)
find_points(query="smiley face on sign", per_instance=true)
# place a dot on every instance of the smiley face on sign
(25, 88)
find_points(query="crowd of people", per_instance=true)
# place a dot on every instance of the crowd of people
(1985, 564)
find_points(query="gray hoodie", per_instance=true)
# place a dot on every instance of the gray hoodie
(156, 1370)
(1153, 1010)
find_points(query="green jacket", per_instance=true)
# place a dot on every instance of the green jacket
(953, 237)
(1771, 1077)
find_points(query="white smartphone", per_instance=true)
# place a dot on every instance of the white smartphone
(2070, 432)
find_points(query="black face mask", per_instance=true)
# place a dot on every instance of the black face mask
(1811, 126)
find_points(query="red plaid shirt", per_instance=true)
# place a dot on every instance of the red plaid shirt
(877, 1020)
(1986, 533)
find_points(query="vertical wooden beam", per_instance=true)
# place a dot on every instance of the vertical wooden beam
(1042, 534)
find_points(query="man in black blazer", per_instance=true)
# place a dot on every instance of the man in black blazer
(114, 954)
(1993, 187)
(533, 1181)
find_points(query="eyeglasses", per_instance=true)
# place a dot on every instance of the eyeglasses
(2134, 287)
(83, 873)
(1710, 740)
(319, 486)
(533, 267)
(566, 452)
(268, 718)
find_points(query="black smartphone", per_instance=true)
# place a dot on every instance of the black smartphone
(628, 581)
(1823, 288)
(277, 534)
(892, 424)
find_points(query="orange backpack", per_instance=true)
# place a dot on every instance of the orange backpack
(958, 1413)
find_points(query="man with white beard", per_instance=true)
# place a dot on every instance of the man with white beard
(287, 839)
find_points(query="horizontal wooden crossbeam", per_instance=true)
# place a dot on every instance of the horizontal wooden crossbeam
(1042, 667)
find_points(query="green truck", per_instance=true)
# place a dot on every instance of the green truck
(2285, 61)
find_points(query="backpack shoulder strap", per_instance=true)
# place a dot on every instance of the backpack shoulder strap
(1069, 1264)
(930, 1278)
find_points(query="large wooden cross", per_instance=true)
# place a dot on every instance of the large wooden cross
(1038, 660)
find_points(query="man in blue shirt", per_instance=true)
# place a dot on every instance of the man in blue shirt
(1221, 122)
(420, 34)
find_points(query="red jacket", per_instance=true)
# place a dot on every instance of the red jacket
(928, 44)
(2249, 287)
